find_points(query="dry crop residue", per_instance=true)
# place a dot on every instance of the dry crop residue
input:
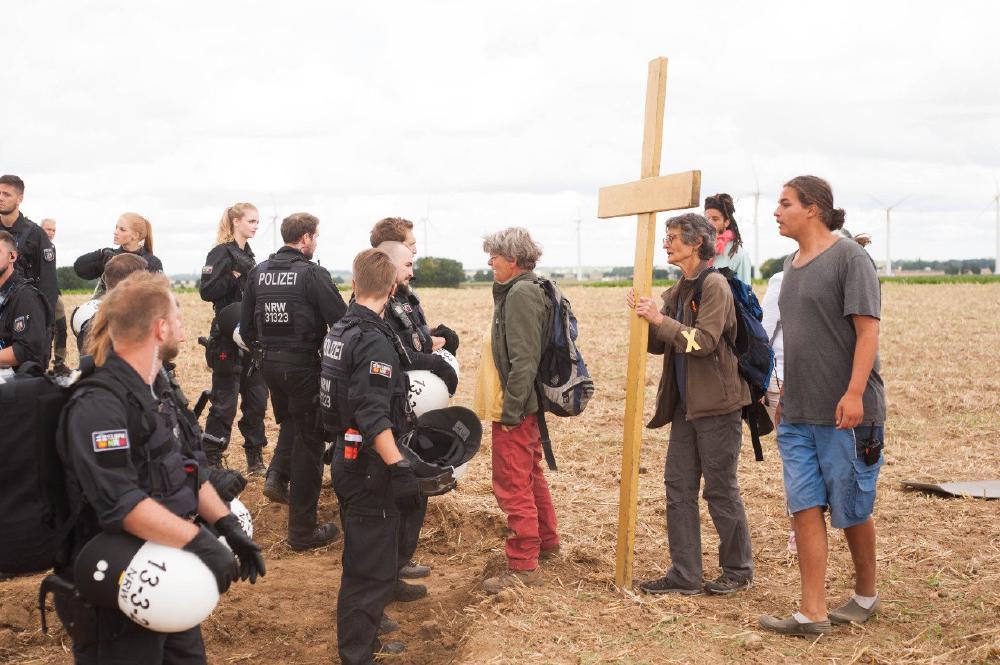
(939, 559)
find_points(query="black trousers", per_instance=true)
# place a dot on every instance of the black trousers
(409, 531)
(108, 637)
(295, 397)
(369, 569)
(59, 334)
(227, 386)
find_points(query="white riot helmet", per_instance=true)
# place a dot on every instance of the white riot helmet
(164, 589)
(427, 392)
(82, 314)
(449, 358)
(242, 513)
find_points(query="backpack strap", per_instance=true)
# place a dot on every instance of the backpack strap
(696, 303)
(543, 431)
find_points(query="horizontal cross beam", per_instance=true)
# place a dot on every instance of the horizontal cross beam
(649, 195)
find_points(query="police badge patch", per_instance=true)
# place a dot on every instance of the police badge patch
(106, 440)
(381, 369)
(49, 254)
(20, 324)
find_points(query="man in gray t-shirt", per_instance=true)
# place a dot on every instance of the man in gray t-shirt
(833, 402)
(817, 302)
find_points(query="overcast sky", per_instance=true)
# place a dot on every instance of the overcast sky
(485, 115)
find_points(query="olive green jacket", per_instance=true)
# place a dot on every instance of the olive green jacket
(520, 319)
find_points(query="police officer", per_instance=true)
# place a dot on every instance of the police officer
(148, 483)
(404, 319)
(59, 332)
(288, 304)
(398, 229)
(223, 280)
(363, 398)
(36, 257)
(133, 235)
(116, 270)
(25, 330)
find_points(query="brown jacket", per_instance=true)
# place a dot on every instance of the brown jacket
(713, 386)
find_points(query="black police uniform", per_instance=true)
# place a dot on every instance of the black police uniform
(363, 388)
(25, 321)
(232, 375)
(120, 445)
(288, 304)
(91, 265)
(405, 316)
(36, 258)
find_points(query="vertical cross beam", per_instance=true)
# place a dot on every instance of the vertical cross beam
(645, 197)
(642, 276)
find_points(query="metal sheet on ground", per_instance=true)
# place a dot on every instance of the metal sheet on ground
(977, 489)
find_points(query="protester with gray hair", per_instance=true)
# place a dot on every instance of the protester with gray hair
(701, 394)
(506, 393)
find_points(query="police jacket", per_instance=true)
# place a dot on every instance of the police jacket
(36, 258)
(121, 444)
(24, 321)
(218, 285)
(289, 303)
(406, 317)
(91, 265)
(362, 382)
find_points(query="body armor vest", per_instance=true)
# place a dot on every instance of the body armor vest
(284, 318)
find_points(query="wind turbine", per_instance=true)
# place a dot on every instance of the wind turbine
(579, 246)
(888, 237)
(756, 227)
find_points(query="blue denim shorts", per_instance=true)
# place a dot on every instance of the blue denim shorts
(824, 466)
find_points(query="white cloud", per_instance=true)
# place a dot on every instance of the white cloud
(498, 114)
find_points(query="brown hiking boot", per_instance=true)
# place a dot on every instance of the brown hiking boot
(550, 553)
(513, 578)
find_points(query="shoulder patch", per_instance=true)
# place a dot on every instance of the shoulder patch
(49, 254)
(20, 324)
(381, 369)
(116, 439)
(207, 270)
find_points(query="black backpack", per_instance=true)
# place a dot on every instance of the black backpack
(563, 384)
(752, 349)
(35, 516)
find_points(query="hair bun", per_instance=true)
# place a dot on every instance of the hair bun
(837, 216)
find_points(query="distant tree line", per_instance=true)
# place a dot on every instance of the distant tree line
(950, 267)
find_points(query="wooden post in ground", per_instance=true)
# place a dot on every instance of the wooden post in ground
(645, 197)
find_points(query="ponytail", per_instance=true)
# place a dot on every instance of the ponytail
(229, 217)
(141, 227)
(98, 342)
(127, 313)
(724, 203)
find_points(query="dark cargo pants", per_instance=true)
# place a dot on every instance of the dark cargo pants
(706, 447)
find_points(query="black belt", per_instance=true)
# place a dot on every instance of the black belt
(294, 357)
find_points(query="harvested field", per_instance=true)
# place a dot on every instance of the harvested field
(939, 559)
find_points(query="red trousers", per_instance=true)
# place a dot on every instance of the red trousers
(523, 494)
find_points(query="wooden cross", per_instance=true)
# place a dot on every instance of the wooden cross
(645, 197)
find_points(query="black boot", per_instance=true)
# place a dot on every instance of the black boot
(276, 488)
(323, 534)
(255, 461)
(214, 447)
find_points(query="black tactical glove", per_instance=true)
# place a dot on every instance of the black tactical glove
(438, 365)
(450, 338)
(405, 489)
(107, 254)
(247, 551)
(228, 483)
(216, 556)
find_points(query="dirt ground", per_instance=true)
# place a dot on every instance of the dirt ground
(938, 562)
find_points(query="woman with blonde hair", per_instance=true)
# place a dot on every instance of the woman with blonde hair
(223, 280)
(133, 235)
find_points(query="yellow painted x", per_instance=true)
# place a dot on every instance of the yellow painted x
(692, 344)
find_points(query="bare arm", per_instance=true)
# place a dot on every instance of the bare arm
(385, 446)
(7, 358)
(151, 521)
(850, 409)
(210, 506)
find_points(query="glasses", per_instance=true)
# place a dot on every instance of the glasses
(671, 237)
